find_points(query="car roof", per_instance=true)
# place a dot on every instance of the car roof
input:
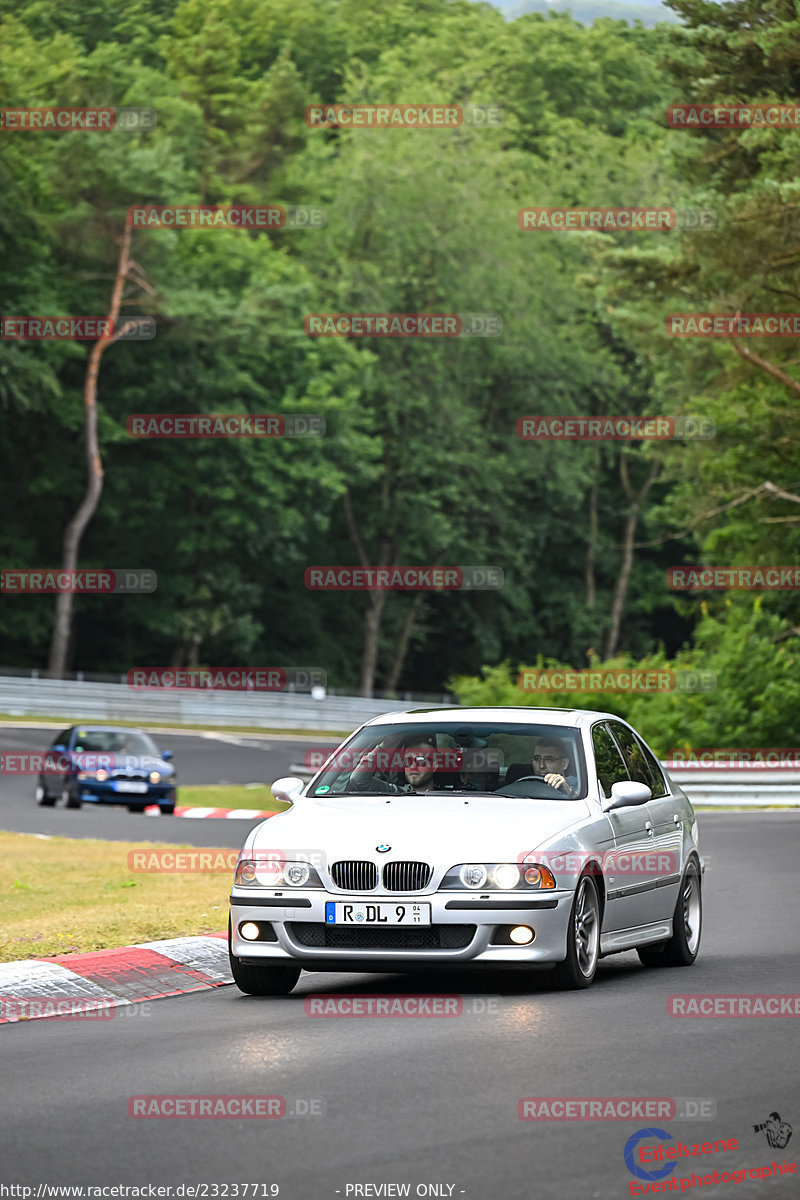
(107, 729)
(523, 714)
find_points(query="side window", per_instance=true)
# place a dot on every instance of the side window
(658, 786)
(631, 747)
(610, 767)
(62, 739)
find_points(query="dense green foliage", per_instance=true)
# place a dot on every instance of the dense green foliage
(421, 462)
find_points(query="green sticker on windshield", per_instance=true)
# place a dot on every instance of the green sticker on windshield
(318, 791)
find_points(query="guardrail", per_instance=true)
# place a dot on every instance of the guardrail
(80, 700)
(83, 700)
(739, 787)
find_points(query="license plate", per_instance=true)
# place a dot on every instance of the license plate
(377, 914)
(139, 788)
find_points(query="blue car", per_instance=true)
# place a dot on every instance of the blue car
(101, 764)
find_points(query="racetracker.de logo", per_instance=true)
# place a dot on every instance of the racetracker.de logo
(422, 757)
(733, 116)
(745, 757)
(402, 116)
(49, 763)
(403, 325)
(226, 216)
(612, 428)
(626, 679)
(737, 579)
(596, 218)
(737, 1004)
(645, 864)
(182, 862)
(76, 329)
(64, 120)
(235, 679)
(404, 579)
(725, 325)
(225, 425)
(615, 220)
(596, 1108)
(31, 1008)
(100, 581)
(616, 1108)
(170, 1108)
(383, 1006)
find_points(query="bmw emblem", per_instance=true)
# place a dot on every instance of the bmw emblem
(382, 848)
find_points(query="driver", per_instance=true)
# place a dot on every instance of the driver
(551, 760)
(418, 772)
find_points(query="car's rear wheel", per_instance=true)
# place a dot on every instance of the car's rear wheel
(167, 810)
(583, 939)
(687, 926)
(69, 799)
(136, 808)
(261, 980)
(42, 797)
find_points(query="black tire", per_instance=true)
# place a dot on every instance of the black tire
(69, 798)
(261, 981)
(687, 926)
(135, 808)
(583, 939)
(168, 810)
(42, 798)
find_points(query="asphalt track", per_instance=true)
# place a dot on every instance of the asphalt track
(201, 758)
(427, 1101)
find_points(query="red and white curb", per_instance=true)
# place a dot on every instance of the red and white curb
(86, 985)
(236, 814)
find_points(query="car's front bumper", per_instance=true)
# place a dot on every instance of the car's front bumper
(104, 793)
(547, 914)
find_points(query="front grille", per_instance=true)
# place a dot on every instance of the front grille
(355, 876)
(406, 876)
(118, 776)
(313, 934)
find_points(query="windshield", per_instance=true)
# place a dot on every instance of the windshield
(501, 758)
(115, 741)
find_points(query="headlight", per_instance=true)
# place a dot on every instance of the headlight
(505, 876)
(473, 875)
(501, 877)
(251, 872)
(155, 776)
(100, 775)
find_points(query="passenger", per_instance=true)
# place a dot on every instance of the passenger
(418, 771)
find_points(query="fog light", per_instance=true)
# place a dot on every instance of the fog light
(520, 935)
(249, 931)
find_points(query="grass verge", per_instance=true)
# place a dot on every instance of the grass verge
(59, 895)
(229, 796)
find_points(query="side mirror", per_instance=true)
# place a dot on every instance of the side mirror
(288, 789)
(59, 749)
(167, 755)
(627, 794)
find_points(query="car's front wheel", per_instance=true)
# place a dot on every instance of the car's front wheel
(687, 924)
(42, 798)
(69, 798)
(261, 980)
(167, 810)
(583, 939)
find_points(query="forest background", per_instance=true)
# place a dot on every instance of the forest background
(421, 462)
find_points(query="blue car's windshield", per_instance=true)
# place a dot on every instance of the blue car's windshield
(537, 761)
(114, 741)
